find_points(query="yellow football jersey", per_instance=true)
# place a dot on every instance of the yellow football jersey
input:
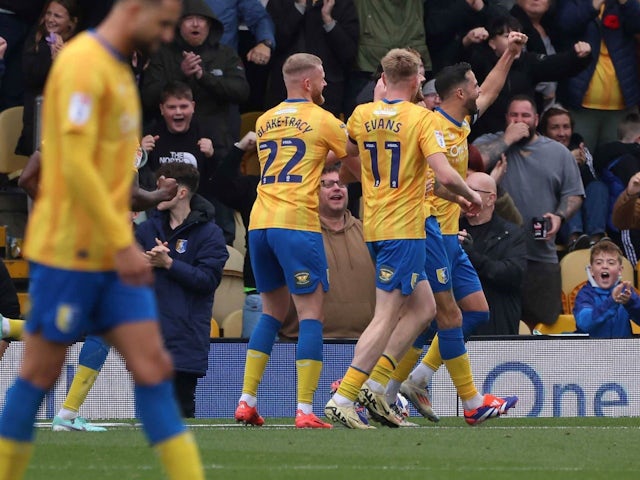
(294, 139)
(394, 139)
(90, 129)
(455, 137)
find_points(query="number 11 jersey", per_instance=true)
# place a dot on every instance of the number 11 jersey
(293, 140)
(394, 139)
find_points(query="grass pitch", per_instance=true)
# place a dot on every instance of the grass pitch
(522, 449)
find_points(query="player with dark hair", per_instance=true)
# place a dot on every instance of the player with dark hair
(79, 238)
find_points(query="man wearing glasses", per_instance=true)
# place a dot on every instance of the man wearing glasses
(497, 250)
(350, 302)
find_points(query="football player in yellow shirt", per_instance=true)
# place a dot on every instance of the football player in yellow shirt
(397, 141)
(287, 251)
(79, 238)
(450, 273)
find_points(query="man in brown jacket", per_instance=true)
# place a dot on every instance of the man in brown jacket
(350, 301)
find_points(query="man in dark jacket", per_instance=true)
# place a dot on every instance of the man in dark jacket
(188, 252)
(617, 163)
(527, 71)
(498, 252)
(212, 70)
(329, 30)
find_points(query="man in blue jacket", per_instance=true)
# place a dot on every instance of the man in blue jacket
(188, 252)
(605, 304)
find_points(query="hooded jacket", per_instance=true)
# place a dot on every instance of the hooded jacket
(350, 301)
(222, 84)
(597, 314)
(185, 291)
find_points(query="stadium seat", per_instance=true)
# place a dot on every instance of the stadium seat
(248, 122)
(564, 324)
(231, 326)
(524, 329)
(235, 262)
(25, 303)
(10, 129)
(215, 329)
(250, 164)
(240, 242)
(230, 295)
(18, 269)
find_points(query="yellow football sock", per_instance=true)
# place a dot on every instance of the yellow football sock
(308, 376)
(402, 371)
(460, 372)
(432, 358)
(180, 457)
(351, 383)
(254, 367)
(381, 373)
(14, 458)
(16, 327)
(83, 380)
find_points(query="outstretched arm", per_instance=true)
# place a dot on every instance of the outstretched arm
(490, 88)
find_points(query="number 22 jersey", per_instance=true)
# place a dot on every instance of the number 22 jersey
(394, 139)
(293, 140)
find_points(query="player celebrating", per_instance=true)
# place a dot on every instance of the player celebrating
(79, 238)
(287, 251)
(394, 136)
(450, 273)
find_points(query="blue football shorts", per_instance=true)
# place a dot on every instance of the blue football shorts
(67, 304)
(399, 264)
(295, 258)
(447, 264)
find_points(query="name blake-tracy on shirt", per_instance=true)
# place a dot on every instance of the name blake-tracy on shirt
(283, 120)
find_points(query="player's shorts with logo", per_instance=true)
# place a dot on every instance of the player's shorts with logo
(67, 304)
(399, 264)
(447, 265)
(295, 258)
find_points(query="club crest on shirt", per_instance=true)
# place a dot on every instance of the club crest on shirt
(385, 274)
(443, 275)
(302, 278)
(181, 245)
(66, 318)
(79, 108)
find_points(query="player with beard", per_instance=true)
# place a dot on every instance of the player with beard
(287, 252)
(544, 181)
(453, 279)
(79, 239)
